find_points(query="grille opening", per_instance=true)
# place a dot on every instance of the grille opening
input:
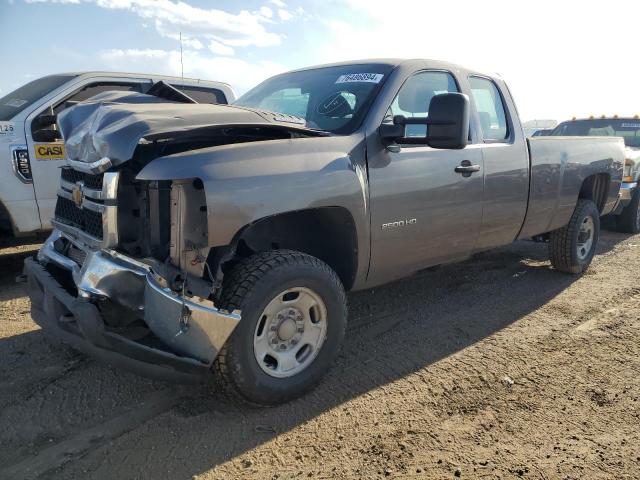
(86, 220)
(90, 180)
(63, 277)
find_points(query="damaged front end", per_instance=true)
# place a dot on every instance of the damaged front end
(122, 311)
(130, 274)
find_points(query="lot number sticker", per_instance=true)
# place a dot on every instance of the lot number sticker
(49, 151)
(360, 77)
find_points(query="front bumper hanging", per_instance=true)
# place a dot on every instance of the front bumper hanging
(627, 190)
(187, 334)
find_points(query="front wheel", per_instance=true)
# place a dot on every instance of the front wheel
(294, 313)
(573, 246)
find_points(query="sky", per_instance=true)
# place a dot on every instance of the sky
(560, 58)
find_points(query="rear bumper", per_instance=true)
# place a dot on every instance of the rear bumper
(184, 336)
(624, 197)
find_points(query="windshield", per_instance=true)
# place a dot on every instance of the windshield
(334, 99)
(18, 100)
(629, 129)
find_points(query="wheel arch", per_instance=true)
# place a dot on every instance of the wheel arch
(6, 222)
(327, 233)
(596, 188)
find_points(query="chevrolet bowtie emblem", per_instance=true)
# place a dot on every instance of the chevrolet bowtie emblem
(77, 195)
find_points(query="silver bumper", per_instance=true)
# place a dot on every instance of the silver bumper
(625, 195)
(191, 327)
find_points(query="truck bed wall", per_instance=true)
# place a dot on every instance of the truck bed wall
(559, 166)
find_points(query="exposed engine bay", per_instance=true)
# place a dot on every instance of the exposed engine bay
(111, 138)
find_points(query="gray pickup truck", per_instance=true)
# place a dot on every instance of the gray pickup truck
(200, 238)
(627, 212)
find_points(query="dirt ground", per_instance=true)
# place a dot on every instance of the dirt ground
(498, 367)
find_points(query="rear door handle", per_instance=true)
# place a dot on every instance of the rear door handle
(466, 169)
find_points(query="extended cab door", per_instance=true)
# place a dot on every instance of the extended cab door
(506, 162)
(423, 212)
(46, 149)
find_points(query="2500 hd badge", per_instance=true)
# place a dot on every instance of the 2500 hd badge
(400, 223)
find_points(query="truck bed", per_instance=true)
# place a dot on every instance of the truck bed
(559, 166)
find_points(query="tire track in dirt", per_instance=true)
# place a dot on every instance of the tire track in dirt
(53, 457)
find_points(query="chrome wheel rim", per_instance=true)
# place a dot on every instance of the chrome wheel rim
(290, 332)
(585, 237)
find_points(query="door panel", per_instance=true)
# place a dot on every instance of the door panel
(422, 211)
(506, 189)
(506, 164)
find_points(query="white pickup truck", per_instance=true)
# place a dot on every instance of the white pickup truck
(32, 151)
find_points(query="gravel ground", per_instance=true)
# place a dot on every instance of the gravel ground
(498, 367)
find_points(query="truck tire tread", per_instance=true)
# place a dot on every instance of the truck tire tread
(562, 248)
(239, 282)
(627, 221)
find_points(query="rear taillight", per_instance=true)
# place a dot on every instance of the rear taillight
(21, 164)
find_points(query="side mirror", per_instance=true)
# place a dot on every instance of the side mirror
(448, 121)
(448, 124)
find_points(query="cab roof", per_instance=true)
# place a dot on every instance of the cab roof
(106, 73)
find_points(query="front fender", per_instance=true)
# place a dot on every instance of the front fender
(246, 182)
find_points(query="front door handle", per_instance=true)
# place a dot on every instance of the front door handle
(466, 168)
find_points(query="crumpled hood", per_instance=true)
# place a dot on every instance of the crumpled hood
(112, 124)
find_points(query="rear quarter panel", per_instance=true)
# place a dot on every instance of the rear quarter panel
(559, 166)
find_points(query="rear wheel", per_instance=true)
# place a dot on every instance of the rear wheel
(629, 220)
(573, 246)
(293, 320)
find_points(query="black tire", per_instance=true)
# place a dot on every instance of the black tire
(250, 286)
(629, 220)
(564, 242)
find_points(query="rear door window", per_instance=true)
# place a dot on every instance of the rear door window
(94, 89)
(490, 108)
(43, 127)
